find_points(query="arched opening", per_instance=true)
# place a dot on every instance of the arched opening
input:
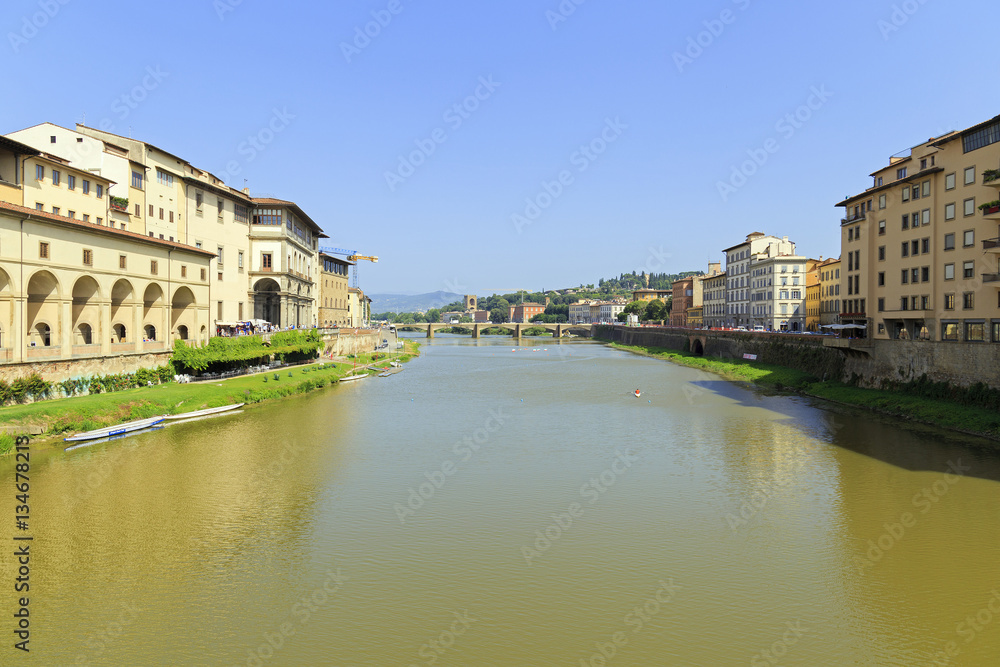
(42, 308)
(118, 332)
(697, 348)
(5, 304)
(152, 310)
(204, 334)
(149, 333)
(795, 326)
(267, 301)
(122, 306)
(182, 311)
(84, 334)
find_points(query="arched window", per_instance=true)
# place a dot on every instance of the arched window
(119, 333)
(149, 332)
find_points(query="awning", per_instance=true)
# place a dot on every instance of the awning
(225, 324)
(838, 327)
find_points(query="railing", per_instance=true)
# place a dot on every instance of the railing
(989, 244)
(991, 277)
(853, 218)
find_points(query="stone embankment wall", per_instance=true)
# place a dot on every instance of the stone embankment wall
(351, 341)
(85, 367)
(871, 363)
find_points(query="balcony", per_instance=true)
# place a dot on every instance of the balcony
(991, 211)
(991, 278)
(852, 218)
(991, 177)
(992, 245)
(118, 204)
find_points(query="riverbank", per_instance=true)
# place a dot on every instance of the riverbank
(84, 413)
(968, 419)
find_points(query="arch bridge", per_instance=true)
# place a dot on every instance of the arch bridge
(517, 329)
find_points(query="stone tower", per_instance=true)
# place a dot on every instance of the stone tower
(470, 302)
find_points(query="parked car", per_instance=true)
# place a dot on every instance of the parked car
(758, 327)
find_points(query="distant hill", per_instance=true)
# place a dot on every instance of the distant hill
(407, 303)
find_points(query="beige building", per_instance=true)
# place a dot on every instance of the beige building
(579, 313)
(738, 280)
(922, 244)
(829, 291)
(714, 300)
(359, 306)
(333, 286)
(778, 291)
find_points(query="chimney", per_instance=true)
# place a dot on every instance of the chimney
(246, 191)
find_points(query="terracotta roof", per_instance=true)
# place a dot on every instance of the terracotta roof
(271, 201)
(99, 229)
(17, 147)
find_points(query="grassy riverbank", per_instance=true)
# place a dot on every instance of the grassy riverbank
(84, 413)
(937, 412)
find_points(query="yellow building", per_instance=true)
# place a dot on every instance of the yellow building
(922, 244)
(695, 317)
(333, 298)
(812, 306)
(829, 291)
(651, 294)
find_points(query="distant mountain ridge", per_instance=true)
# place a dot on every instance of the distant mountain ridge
(411, 303)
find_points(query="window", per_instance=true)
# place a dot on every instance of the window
(881, 278)
(906, 193)
(975, 331)
(86, 186)
(99, 191)
(983, 137)
(906, 249)
(996, 332)
(881, 227)
(970, 175)
(171, 216)
(925, 303)
(204, 274)
(220, 255)
(239, 259)
(925, 274)
(265, 261)
(55, 177)
(970, 206)
(88, 257)
(198, 200)
(151, 210)
(926, 188)
(968, 269)
(923, 164)
(905, 279)
(901, 173)
(242, 213)
(949, 181)
(100, 221)
(122, 261)
(221, 206)
(904, 303)
(43, 250)
(152, 266)
(137, 180)
(55, 210)
(220, 276)
(915, 275)
(138, 211)
(850, 234)
(881, 201)
(949, 241)
(949, 271)
(968, 238)
(878, 182)
(881, 255)
(916, 191)
(39, 172)
(39, 206)
(164, 178)
(71, 181)
(906, 221)
(925, 217)
(968, 300)
(914, 247)
(925, 245)
(949, 331)
(949, 211)
(161, 214)
(949, 302)
(86, 217)
(881, 304)
(796, 294)
(184, 271)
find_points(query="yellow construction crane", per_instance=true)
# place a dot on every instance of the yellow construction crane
(355, 258)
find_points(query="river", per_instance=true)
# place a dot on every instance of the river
(497, 504)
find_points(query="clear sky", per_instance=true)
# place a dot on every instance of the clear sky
(617, 120)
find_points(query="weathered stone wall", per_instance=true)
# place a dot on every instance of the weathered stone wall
(877, 363)
(85, 367)
(351, 341)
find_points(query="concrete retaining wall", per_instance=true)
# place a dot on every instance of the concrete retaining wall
(351, 341)
(85, 367)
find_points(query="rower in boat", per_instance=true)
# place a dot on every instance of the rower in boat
(638, 393)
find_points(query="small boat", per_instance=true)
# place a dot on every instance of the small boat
(638, 393)
(108, 431)
(205, 412)
(385, 374)
(350, 378)
(395, 364)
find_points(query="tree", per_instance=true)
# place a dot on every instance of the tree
(638, 308)
(656, 310)
(499, 315)
(433, 315)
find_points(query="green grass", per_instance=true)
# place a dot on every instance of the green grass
(84, 413)
(937, 412)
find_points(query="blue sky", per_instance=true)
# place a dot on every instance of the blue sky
(669, 98)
